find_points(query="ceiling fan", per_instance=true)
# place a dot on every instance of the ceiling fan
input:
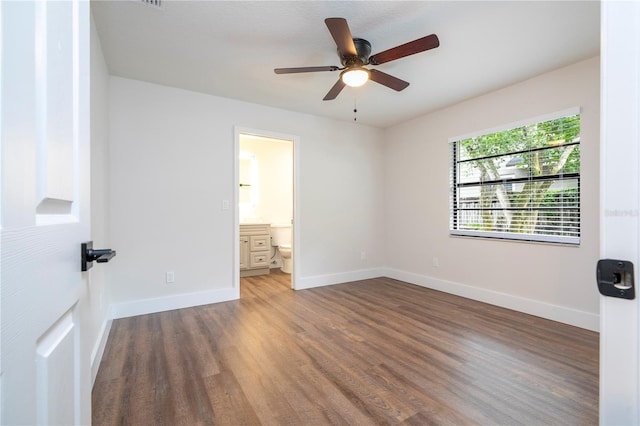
(355, 54)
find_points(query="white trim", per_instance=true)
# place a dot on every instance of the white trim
(527, 121)
(168, 303)
(549, 311)
(304, 283)
(235, 255)
(296, 231)
(55, 334)
(533, 238)
(99, 346)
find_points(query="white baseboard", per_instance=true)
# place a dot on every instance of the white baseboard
(303, 283)
(561, 314)
(168, 303)
(98, 348)
(550, 311)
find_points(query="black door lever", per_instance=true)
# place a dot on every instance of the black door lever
(88, 255)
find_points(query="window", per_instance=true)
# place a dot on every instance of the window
(522, 183)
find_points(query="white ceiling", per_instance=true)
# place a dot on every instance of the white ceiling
(230, 48)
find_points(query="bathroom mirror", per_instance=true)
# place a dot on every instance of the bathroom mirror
(247, 193)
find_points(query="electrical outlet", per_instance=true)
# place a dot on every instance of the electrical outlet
(435, 261)
(171, 277)
(363, 255)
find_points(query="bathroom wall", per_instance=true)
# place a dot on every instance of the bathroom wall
(552, 281)
(172, 168)
(274, 180)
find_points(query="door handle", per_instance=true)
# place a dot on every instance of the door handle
(88, 255)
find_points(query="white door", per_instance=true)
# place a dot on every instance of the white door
(44, 126)
(620, 201)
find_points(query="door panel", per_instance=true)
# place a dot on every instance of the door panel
(55, 120)
(620, 204)
(45, 198)
(55, 378)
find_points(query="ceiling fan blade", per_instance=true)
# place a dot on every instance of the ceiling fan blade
(304, 69)
(340, 32)
(388, 80)
(335, 91)
(411, 48)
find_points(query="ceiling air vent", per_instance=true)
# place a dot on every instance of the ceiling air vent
(153, 3)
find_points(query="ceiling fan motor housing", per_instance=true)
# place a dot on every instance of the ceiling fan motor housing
(363, 48)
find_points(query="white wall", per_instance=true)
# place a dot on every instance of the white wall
(172, 161)
(100, 300)
(553, 281)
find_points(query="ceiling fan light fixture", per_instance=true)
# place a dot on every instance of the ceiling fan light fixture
(355, 77)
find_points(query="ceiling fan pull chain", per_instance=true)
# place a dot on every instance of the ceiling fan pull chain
(355, 107)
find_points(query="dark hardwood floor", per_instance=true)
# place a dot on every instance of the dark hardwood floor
(369, 352)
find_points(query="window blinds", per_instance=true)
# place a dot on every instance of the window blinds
(521, 183)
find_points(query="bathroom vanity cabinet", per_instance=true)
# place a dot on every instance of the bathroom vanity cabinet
(255, 249)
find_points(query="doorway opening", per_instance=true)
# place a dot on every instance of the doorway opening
(265, 172)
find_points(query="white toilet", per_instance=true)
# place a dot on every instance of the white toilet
(287, 259)
(281, 237)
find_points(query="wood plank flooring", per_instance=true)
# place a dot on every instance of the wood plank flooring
(372, 352)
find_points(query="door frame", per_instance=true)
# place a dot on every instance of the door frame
(297, 219)
(620, 204)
